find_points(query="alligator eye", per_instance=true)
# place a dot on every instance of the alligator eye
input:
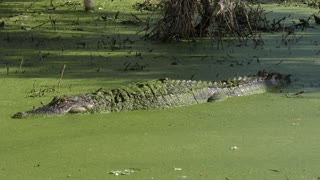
(62, 100)
(55, 98)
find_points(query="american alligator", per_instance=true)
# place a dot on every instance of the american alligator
(160, 94)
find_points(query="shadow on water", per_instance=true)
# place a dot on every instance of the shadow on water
(101, 45)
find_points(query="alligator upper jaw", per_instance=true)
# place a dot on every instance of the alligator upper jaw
(73, 110)
(49, 110)
(59, 106)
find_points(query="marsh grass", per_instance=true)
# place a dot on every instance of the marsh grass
(277, 136)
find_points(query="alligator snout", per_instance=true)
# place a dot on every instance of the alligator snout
(19, 115)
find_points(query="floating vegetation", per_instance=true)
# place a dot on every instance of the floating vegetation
(149, 5)
(41, 91)
(134, 67)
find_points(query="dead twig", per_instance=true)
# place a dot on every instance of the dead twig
(32, 4)
(279, 62)
(61, 76)
(297, 94)
(20, 67)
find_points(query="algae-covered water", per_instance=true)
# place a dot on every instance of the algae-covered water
(267, 136)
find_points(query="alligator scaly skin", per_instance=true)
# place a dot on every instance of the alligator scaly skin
(160, 94)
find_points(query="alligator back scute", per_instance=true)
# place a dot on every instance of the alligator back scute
(166, 93)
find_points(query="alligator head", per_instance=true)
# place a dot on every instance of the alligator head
(277, 79)
(60, 106)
